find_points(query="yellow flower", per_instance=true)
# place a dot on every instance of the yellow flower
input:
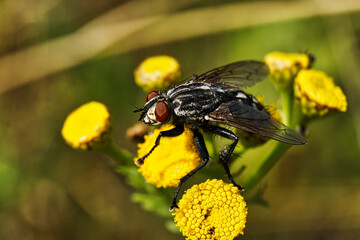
(211, 210)
(157, 72)
(171, 160)
(318, 94)
(86, 126)
(285, 66)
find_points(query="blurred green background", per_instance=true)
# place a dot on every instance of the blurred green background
(58, 54)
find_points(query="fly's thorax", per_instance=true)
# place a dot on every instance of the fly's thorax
(191, 100)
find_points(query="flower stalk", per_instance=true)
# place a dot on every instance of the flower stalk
(287, 98)
(266, 164)
(278, 148)
(122, 156)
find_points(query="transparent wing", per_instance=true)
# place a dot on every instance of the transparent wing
(245, 117)
(238, 74)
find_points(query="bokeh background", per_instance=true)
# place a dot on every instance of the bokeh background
(58, 54)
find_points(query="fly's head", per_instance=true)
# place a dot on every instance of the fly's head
(156, 110)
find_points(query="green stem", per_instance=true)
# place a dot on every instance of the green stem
(287, 98)
(279, 148)
(267, 163)
(118, 154)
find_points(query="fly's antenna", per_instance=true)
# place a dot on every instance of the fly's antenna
(142, 116)
(142, 110)
(138, 110)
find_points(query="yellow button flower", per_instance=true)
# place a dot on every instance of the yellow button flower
(285, 66)
(86, 126)
(157, 72)
(318, 94)
(171, 160)
(211, 210)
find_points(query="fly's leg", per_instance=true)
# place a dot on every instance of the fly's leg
(200, 144)
(179, 129)
(227, 151)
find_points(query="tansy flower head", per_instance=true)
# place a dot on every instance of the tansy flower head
(211, 210)
(318, 94)
(285, 66)
(86, 126)
(171, 160)
(157, 72)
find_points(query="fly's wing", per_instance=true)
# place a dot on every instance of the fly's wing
(238, 74)
(237, 114)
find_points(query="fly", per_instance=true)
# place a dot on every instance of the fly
(213, 98)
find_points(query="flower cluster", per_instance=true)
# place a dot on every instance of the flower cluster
(314, 90)
(211, 210)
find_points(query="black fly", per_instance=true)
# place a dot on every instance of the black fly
(212, 98)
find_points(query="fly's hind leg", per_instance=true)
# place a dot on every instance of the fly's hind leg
(227, 151)
(179, 129)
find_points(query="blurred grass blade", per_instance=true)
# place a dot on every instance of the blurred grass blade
(106, 36)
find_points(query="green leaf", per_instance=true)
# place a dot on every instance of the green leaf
(171, 226)
(135, 179)
(154, 203)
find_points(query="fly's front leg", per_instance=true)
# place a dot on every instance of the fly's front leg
(200, 144)
(179, 129)
(228, 150)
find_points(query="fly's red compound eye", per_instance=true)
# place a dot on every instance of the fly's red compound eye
(162, 111)
(151, 95)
